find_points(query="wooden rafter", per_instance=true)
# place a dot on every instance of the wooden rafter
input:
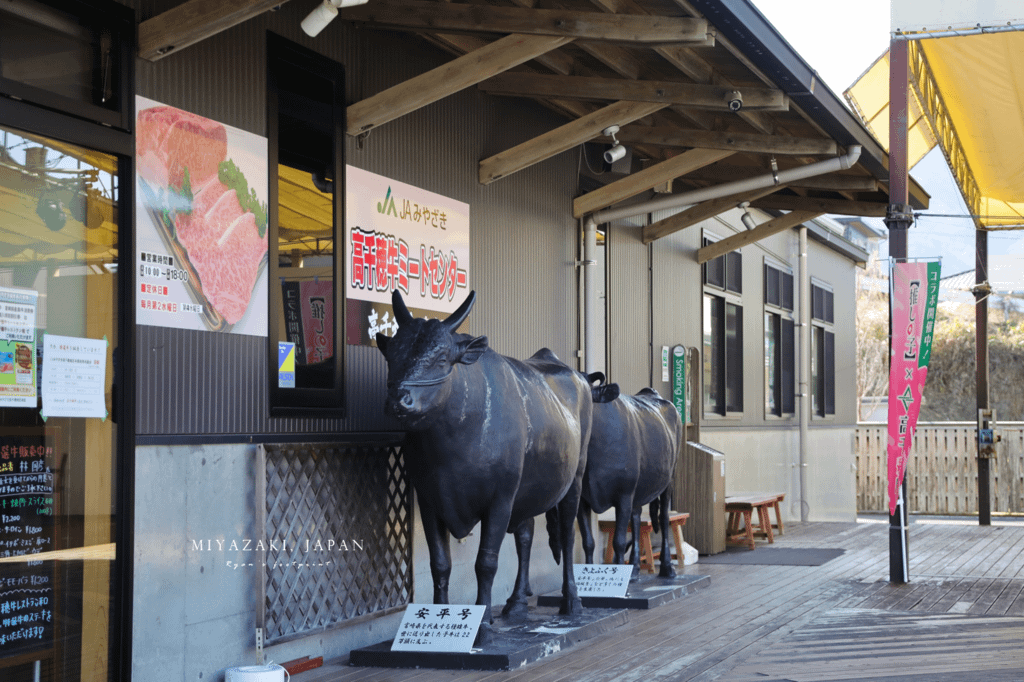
(737, 142)
(560, 139)
(867, 209)
(702, 211)
(686, 94)
(767, 229)
(456, 75)
(421, 15)
(193, 21)
(634, 184)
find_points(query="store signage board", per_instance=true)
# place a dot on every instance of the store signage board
(285, 364)
(602, 580)
(201, 223)
(17, 347)
(401, 237)
(74, 374)
(679, 392)
(439, 627)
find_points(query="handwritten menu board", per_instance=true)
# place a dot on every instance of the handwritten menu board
(26, 528)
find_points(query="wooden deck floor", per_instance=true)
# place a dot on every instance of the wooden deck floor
(960, 618)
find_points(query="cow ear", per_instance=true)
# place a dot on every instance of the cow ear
(595, 377)
(606, 393)
(468, 351)
(382, 343)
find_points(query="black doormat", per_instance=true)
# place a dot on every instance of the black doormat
(771, 556)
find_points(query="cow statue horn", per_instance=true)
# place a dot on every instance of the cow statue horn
(402, 313)
(460, 315)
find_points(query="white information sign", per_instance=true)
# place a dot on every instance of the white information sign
(602, 580)
(664, 363)
(17, 347)
(74, 371)
(438, 627)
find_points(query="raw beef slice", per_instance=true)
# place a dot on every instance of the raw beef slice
(224, 247)
(168, 140)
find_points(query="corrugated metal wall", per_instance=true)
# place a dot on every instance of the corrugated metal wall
(629, 305)
(523, 237)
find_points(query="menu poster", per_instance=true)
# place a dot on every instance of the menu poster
(74, 376)
(26, 528)
(17, 347)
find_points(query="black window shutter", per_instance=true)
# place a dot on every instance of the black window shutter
(830, 373)
(788, 347)
(787, 291)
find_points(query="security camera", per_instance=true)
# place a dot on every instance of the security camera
(324, 14)
(734, 98)
(613, 154)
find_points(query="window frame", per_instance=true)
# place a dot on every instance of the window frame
(778, 316)
(284, 56)
(822, 356)
(727, 374)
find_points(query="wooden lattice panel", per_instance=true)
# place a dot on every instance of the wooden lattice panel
(338, 528)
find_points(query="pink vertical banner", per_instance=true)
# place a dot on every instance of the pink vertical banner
(316, 300)
(913, 296)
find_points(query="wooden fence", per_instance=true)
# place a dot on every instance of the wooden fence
(943, 471)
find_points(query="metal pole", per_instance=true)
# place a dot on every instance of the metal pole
(898, 218)
(981, 368)
(805, 372)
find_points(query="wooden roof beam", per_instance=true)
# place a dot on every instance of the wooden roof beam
(703, 211)
(698, 96)
(767, 229)
(732, 141)
(456, 75)
(868, 209)
(194, 21)
(634, 184)
(437, 17)
(560, 139)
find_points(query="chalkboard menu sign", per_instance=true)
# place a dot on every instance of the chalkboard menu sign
(26, 528)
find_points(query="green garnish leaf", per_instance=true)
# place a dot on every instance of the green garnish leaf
(229, 174)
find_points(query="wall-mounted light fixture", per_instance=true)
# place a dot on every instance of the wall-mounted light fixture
(616, 152)
(324, 14)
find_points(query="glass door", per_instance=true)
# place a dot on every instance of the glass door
(59, 225)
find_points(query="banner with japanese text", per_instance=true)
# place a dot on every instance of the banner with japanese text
(913, 297)
(406, 238)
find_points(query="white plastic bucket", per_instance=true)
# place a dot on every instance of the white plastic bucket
(256, 673)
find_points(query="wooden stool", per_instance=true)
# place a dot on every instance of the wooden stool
(779, 497)
(676, 520)
(745, 506)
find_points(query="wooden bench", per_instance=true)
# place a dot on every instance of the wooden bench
(744, 506)
(676, 520)
(779, 498)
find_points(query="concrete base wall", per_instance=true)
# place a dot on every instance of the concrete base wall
(195, 615)
(768, 460)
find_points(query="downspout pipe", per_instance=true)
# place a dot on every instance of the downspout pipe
(718, 191)
(804, 389)
(589, 296)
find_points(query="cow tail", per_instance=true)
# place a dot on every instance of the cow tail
(656, 511)
(551, 521)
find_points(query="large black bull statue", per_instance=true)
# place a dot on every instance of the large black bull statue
(489, 440)
(630, 460)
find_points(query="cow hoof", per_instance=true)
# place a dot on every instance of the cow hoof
(571, 607)
(635, 575)
(667, 572)
(484, 636)
(515, 610)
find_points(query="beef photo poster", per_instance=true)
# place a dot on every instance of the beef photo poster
(201, 230)
(406, 238)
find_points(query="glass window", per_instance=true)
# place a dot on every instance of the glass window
(306, 114)
(723, 356)
(58, 441)
(823, 343)
(780, 347)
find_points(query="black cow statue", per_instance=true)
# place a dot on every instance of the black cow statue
(630, 461)
(489, 440)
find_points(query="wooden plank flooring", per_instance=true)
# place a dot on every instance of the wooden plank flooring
(960, 618)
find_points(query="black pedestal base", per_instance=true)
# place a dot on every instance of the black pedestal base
(512, 645)
(646, 593)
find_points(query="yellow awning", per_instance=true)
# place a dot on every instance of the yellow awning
(968, 97)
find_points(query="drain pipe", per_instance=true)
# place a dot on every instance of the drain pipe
(676, 201)
(805, 370)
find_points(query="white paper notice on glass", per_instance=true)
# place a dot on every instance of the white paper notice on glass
(602, 580)
(74, 371)
(438, 627)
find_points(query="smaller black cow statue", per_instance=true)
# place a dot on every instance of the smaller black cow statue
(630, 460)
(489, 440)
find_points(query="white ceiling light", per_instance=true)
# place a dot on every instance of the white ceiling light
(324, 14)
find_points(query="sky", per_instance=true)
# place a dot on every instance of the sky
(840, 43)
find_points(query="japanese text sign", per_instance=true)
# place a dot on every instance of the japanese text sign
(602, 580)
(406, 238)
(438, 627)
(913, 295)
